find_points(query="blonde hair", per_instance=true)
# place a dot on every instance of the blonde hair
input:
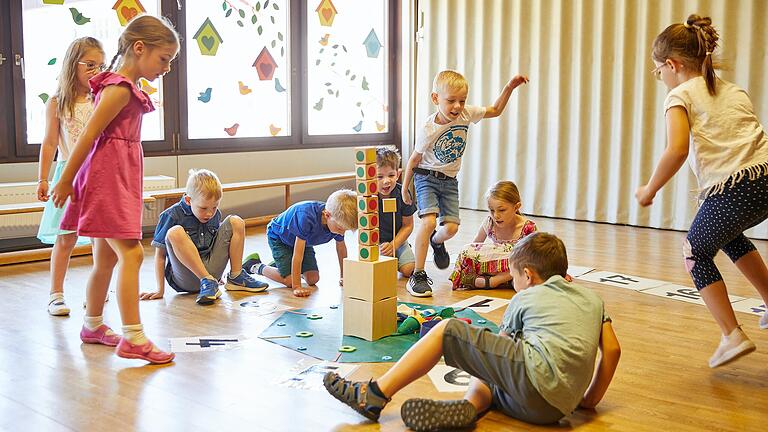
(541, 252)
(153, 31)
(387, 156)
(66, 92)
(504, 191)
(342, 205)
(692, 44)
(203, 183)
(449, 79)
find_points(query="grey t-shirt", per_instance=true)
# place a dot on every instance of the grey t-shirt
(560, 324)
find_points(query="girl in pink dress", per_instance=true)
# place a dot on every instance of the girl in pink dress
(107, 168)
(484, 265)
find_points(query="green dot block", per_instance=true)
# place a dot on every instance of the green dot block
(361, 172)
(364, 237)
(361, 188)
(360, 156)
(364, 253)
(361, 205)
(363, 222)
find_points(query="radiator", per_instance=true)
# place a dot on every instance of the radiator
(26, 224)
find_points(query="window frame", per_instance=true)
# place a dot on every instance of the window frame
(176, 142)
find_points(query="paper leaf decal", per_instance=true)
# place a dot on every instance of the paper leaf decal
(78, 18)
(358, 127)
(44, 97)
(278, 87)
(205, 96)
(274, 130)
(372, 44)
(224, 6)
(53, 2)
(319, 105)
(365, 83)
(52, 61)
(232, 130)
(244, 89)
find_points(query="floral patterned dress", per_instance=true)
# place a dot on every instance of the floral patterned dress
(477, 259)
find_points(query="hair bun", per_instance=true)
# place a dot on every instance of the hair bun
(698, 21)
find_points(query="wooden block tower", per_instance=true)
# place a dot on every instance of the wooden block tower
(370, 281)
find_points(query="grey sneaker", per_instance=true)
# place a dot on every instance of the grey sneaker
(355, 395)
(433, 415)
(731, 347)
(440, 253)
(419, 285)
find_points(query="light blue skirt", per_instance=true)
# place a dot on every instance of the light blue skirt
(49, 224)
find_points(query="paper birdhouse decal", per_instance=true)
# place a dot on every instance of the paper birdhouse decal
(372, 44)
(208, 38)
(265, 65)
(53, 2)
(127, 9)
(326, 11)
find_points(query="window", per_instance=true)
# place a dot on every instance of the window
(251, 74)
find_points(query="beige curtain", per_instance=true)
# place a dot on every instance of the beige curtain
(589, 127)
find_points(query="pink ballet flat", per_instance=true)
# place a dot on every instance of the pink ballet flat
(99, 336)
(128, 350)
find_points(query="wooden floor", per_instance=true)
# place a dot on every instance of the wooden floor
(50, 381)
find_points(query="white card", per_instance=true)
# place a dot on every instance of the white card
(255, 305)
(311, 377)
(576, 271)
(751, 306)
(481, 304)
(683, 293)
(621, 280)
(206, 343)
(449, 379)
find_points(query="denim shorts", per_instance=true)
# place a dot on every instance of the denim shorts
(283, 256)
(439, 196)
(405, 255)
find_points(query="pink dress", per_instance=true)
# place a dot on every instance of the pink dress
(485, 258)
(109, 186)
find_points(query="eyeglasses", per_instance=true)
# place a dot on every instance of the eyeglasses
(657, 72)
(92, 66)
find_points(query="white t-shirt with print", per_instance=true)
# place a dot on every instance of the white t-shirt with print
(443, 145)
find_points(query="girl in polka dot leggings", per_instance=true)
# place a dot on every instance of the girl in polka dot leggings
(730, 159)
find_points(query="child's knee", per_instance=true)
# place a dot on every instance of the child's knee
(67, 241)
(238, 224)
(312, 277)
(451, 228)
(429, 222)
(134, 255)
(175, 234)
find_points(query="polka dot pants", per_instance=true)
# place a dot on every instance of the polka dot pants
(720, 224)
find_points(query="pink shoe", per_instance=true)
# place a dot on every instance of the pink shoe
(99, 336)
(146, 352)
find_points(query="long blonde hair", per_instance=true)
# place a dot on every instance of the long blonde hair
(66, 92)
(504, 191)
(151, 30)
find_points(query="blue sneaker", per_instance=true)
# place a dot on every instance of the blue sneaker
(251, 263)
(209, 292)
(244, 282)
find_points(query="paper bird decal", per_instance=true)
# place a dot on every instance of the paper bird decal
(244, 90)
(232, 130)
(77, 17)
(379, 126)
(358, 127)
(274, 130)
(205, 96)
(372, 44)
(324, 40)
(278, 87)
(148, 89)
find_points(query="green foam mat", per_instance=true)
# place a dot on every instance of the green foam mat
(327, 335)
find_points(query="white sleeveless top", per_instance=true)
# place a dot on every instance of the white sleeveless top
(72, 127)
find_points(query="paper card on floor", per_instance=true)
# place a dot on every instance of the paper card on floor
(683, 293)
(311, 377)
(751, 306)
(481, 304)
(206, 343)
(576, 271)
(449, 379)
(255, 305)
(621, 280)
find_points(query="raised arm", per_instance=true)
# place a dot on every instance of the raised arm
(678, 135)
(413, 162)
(47, 149)
(496, 109)
(610, 352)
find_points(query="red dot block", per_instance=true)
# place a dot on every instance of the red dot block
(368, 237)
(367, 204)
(367, 221)
(367, 187)
(365, 171)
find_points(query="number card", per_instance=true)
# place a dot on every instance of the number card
(621, 280)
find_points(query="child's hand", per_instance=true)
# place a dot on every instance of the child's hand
(386, 249)
(151, 295)
(61, 192)
(406, 195)
(644, 196)
(517, 80)
(42, 191)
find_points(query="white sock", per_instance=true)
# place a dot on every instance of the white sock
(92, 323)
(55, 296)
(134, 334)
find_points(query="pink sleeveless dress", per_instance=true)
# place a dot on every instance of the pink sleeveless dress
(108, 189)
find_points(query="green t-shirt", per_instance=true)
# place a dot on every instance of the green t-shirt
(560, 323)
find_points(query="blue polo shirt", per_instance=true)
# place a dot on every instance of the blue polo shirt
(303, 220)
(403, 210)
(202, 234)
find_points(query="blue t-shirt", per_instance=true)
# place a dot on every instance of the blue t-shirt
(403, 210)
(202, 234)
(303, 220)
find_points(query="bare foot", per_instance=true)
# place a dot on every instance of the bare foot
(301, 292)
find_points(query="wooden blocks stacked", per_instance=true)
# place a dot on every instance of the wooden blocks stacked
(370, 282)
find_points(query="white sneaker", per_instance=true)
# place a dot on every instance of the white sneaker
(57, 306)
(731, 347)
(764, 321)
